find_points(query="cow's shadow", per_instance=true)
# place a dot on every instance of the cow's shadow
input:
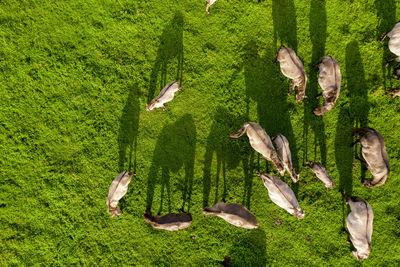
(285, 23)
(316, 123)
(353, 114)
(228, 152)
(169, 56)
(175, 148)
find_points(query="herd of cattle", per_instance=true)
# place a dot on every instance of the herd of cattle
(375, 158)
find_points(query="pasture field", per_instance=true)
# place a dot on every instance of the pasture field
(75, 77)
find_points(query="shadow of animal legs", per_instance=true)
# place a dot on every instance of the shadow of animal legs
(170, 50)
(128, 130)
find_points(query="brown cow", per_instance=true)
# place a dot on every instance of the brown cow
(233, 213)
(169, 222)
(375, 155)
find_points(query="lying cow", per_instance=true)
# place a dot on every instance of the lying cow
(166, 95)
(209, 3)
(329, 79)
(394, 42)
(283, 149)
(169, 222)
(292, 67)
(375, 155)
(233, 213)
(359, 225)
(321, 173)
(261, 143)
(117, 190)
(281, 194)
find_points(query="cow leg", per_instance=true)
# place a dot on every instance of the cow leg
(389, 61)
(383, 36)
(208, 6)
(292, 87)
(318, 96)
(163, 108)
(355, 142)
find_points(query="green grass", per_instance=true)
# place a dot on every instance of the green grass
(75, 78)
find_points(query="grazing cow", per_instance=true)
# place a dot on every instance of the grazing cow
(359, 225)
(329, 79)
(283, 149)
(281, 194)
(292, 67)
(169, 222)
(395, 93)
(117, 190)
(394, 42)
(233, 213)
(209, 3)
(321, 173)
(375, 155)
(261, 143)
(166, 95)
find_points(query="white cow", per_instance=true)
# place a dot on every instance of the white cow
(292, 67)
(282, 195)
(166, 95)
(359, 224)
(329, 79)
(321, 173)
(394, 41)
(261, 142)
(233, 213)
(283, 149)
(117, 190)
(374, 152)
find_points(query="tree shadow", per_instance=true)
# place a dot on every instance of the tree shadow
(285, 25)
(352, 115)
(170, 50)
(316, 123)
(229, 152)
(175, 148)
(128, 131)
(386, 12)
(264, 86)
(249, 249)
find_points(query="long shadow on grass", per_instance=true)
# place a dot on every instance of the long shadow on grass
(249, 249)
(386, 12)
(229, 152)
(169, 56)
(352, 115)
(128, 131)
(175, 148)
(285, 25)
(265, 86)
(318, 39)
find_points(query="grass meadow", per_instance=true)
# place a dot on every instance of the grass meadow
(75, 77)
